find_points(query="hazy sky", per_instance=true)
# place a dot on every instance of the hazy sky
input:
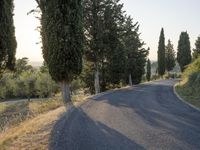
(174, 15)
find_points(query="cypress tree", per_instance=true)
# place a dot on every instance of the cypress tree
(170, 56)
(161, 54)
(196, 51)
(148, 74)
(8, 42)
(184, 52)
(62, 37)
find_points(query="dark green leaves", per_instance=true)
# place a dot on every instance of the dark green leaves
(62, 37)
(184, 52)
(8, 42)
(161, 54)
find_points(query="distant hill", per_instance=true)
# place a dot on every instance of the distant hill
(154, 67)
(36, 64)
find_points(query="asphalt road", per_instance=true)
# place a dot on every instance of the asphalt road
(144, 117)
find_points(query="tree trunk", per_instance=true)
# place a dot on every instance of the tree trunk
(130, 80)
(96, 81)
(65, 92)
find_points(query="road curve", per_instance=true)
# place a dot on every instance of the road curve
(143, 117)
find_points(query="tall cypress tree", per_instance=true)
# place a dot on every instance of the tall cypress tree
(148, 74)
(184, 51)
(170, 56)
(7, 36)
(161, 54)
(196, 51)
(62, 37)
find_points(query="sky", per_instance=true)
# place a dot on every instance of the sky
(174, 16)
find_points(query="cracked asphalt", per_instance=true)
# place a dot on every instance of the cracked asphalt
(143, 117)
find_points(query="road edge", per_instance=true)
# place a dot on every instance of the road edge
(182, 100)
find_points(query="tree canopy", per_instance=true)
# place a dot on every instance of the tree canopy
(161, 54)
(170, 56)
(196, 50)
(184, 51)
(62, 38)
(8, 42)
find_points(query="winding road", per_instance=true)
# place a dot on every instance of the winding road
(143, 117)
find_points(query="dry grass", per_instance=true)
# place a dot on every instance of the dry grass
(27, 125)
(31, 134)
(12, 114)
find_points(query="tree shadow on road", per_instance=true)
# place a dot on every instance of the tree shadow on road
(80, 132)
(162, 111)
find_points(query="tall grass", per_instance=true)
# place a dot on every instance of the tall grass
(189, 88)
(11, 114)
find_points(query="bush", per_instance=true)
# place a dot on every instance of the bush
(190, 86)
(28, 84)
(193, 68)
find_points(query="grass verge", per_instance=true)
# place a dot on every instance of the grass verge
(28, 125)
(187, 94)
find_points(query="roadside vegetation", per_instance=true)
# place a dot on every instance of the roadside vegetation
(189, 88)
(28, 125)
(21, 121)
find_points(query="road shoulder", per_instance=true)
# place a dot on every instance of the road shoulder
(182, 99)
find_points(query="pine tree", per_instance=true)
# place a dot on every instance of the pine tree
(103, 19)
(94, 30)
(184, 52)
(170, 56)
(115, 53)
(196, 51)
(8, 42)
(161, 54)
(136, 54)
(62, 37)
(148, 74)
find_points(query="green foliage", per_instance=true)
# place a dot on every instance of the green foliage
(87, 76)
(8, 42)
(196, 51)
(113, 45)
(22, 65)
(104, 49)
(114, 68)
(192, 76)
(148, 74)
(190, 86)
(184, 52)
(62, 37)
(192, 69)
(26, 83)
(76, 86)
(136, 54)
(161, 54)
(170, 57)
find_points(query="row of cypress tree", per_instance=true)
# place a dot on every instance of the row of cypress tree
(167, 57)
(97, 32)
